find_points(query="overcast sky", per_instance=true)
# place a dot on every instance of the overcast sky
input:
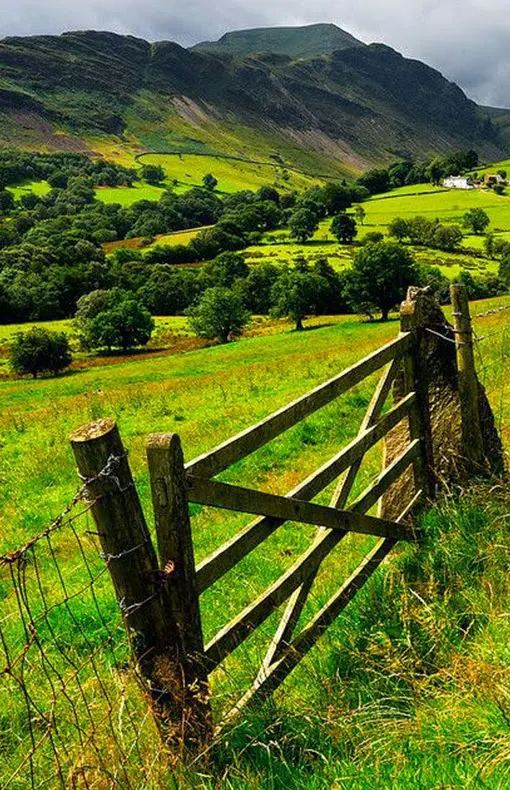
(468, 40)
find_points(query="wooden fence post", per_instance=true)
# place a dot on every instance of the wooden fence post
(173, 527)
(415, 379)
(472, 439)
(140, 586)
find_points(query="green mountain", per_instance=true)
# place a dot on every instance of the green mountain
(338, 113)
(296, 42)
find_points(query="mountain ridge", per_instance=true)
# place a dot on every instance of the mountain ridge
(297, 42)
(355, 107)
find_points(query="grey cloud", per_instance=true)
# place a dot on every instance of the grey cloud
(468, 40)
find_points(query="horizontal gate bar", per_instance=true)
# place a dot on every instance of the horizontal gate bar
(233, 634)
(247, 500)
(214, 567)
(246, 442)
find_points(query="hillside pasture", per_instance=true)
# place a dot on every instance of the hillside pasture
(39, 188)
(126, 196)
(233, 175)
(206, 396)
(447, 206)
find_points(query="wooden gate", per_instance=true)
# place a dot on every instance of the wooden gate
(153, 591)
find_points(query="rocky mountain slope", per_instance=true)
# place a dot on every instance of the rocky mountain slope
(354, 107)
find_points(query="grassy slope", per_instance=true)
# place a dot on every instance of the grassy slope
(433, 728)
(206, 396)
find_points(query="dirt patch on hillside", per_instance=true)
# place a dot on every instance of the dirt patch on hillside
(193, 113)
(320, 142)
(34, 130)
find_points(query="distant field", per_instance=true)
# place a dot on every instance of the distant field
(449, 206)
(232, 175)
(30, 187)
(178, 237)
(128, 195)
(493, 168)
(279, 248)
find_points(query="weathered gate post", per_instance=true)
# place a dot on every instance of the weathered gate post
(472, 440)
(415, 379)
(170, 501)
(141, 587)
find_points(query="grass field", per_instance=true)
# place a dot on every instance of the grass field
(126, 196)
(232, 175)
(207, 395)
(39, 188)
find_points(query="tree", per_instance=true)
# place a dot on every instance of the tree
(504, 268)
(373, 236)
(267, 192)
(447, 237)
(435, 172)
(380, 276)
(477, 220)
(398, 228)
(210, 182)
(376, 181)
(303, 224)
(39, 351)
(224, 270)
(360, 214)
(123, 325)
(296, 294)
(255, 289)
(343, 227)
(153, 174)
(488, 244)
(337, 198)
(219, 313)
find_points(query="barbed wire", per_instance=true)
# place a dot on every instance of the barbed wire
(492, 312)
(75, 705)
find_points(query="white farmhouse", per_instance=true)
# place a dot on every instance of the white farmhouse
(458, 182)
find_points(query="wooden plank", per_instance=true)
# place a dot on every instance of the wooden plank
(132, 563)
(240, 628)
(233, 634)
(177, 562)
(339, 499)
(293, 654)
(215, 566)
(238, 447)
(371, 417)
(247, 500)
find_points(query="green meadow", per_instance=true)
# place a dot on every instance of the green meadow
(125, 196)
(371, 706)
(233, 175)
(39, 188)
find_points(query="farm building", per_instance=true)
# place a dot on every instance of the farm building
(458, 182)
(494, 178)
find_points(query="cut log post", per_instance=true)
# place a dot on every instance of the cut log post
(415, 377)
(170, 501)
(472, 440)
(141, 588)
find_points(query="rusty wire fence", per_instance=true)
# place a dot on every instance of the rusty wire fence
(492, 349)
(72, 710)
